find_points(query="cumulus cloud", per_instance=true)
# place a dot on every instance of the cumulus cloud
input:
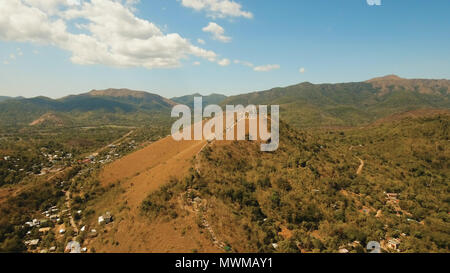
(111, 34)
(224, 62)
(217, 32)
(201, 41)
(266, 68)
(302, 70)
(218, 8)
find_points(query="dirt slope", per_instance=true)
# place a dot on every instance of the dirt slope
(137, 175)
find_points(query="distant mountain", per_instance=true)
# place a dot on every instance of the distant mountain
(302, 105)
(116, 106)
(350, 104)
(3, 98)
(207, 100)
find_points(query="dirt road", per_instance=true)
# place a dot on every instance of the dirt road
(69, 207)
(361, 166)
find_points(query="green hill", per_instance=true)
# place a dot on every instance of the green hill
(323, 189)
(350, 104)
(98, 107)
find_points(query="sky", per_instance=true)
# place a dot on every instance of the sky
(177, 47)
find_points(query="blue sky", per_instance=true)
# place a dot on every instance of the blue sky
(332, 40)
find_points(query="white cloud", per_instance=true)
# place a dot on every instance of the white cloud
(217, 32)
(5, 62)
(244, 63)
(51, 6)
(224, 62)
(111, 33)
(196, 63)
(302, 70)
(201, 41)
(218, 8)
(266, 68)
(12, 56)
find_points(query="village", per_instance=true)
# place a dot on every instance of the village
(60, 228)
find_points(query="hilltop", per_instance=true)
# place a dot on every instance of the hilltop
(393, 83)
(321, 191)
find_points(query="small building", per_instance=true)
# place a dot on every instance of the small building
(343, 250)
(62, 231)
(392, 195)
(73, 247)
(44, 230)
(32, 243)
(105, 218)
(393, 244)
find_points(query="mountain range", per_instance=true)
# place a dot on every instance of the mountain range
(350, 104)
(302, 105)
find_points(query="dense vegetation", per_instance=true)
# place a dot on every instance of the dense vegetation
(309, 190)
(105, 107)
(349, 104)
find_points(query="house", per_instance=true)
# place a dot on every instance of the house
(343, 250)
(73, 247)
(392, 197)
(62, 231)
(105, 218)
(44, 230)
(52, 249)
(93, 233)
(32, 243)
(393, 244)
